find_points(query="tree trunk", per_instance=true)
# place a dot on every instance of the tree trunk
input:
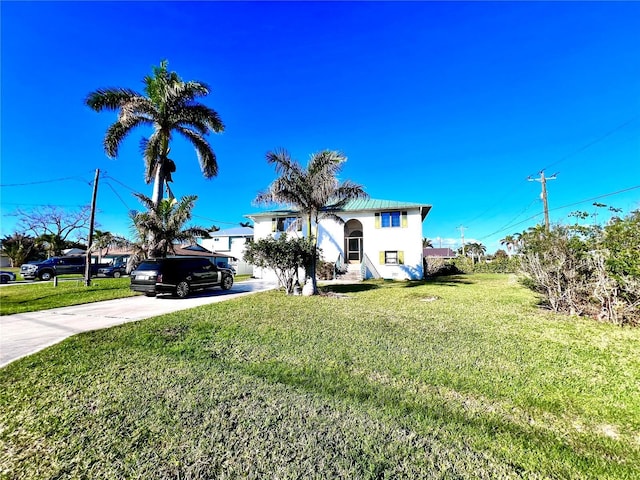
(158, 185)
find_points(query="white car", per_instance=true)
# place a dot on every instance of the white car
(6, 277)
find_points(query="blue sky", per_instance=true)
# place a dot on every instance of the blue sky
(453, 104)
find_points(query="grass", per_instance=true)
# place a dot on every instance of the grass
(36, 296)
(463, 378)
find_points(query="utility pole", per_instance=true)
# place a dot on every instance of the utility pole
(543, 195)
(87, 266)
(462, 227)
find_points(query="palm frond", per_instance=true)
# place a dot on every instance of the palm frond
(109, 98)
(114, 136)
(206, 155)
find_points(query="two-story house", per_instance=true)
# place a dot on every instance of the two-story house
(379, 238)
(231, 242)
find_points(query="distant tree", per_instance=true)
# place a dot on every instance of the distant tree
(476, 251)
(103, 240)
(53, 227)
(169, 107)
(164, 225)
(314, 191)
(508, 241)
(427, 243)
(246, 224)
(20, 248)
(500, 254)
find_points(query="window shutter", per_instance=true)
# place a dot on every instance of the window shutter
(299, 220)
(377, 220)
(404, 220)
(274, 224)
(401, 257)
(381, 258)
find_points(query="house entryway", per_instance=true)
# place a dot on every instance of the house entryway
(353, 242)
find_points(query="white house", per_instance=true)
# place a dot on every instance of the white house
(379, 238)
(231, 242)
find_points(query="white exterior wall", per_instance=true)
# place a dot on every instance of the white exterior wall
(375, 240)
(232, 246)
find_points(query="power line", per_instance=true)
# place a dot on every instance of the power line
(216, 221)
(590, 144)
(118, 195)
(565, 206)
(562, 159)
(39, 182)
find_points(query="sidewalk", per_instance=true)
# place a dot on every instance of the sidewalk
(26, 333)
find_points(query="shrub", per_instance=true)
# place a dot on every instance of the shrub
(587, 270)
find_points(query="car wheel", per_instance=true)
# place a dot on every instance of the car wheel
(149, 294)
(117, 274)
(227, 282)
(4, 279)
(182, 289)
(46, 276)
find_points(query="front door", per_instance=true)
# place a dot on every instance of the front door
(354, 249)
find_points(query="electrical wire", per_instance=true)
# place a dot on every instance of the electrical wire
(564, 206)
(39, 182)
(590, 144)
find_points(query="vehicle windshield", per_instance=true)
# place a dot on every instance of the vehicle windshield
(147, 266)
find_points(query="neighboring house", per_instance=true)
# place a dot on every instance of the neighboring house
(5, 261)
(117, 254)
(378, 239)
(231, 242)
(445, 253)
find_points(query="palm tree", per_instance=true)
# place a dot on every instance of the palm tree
(162, 225)
(314, 191)
(476, 250)
(427, 243)
(509, 241)
(169, 106)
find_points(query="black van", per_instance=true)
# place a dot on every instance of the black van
(179, 276)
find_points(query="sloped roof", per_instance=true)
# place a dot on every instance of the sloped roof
(439, 252)
(233, 232)
(358, 205)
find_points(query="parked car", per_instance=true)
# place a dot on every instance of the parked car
(179, 276)
(6, 277)
(51, 267)
(115, 271)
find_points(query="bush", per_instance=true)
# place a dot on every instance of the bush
(587, 270)
(325, 270)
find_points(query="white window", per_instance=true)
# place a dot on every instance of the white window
(285, 224)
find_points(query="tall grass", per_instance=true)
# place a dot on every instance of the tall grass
(463, 378)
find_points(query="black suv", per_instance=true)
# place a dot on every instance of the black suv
(53, 266)
(179, 276)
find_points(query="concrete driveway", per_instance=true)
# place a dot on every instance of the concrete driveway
(26, 333)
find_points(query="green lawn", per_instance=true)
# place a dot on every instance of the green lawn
(35, 296)
(463, 378)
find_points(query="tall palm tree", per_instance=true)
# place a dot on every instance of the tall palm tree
(427, 243)
(509, 241)
(169, 106)
(314, 190)
(162, 225)
(476, 250)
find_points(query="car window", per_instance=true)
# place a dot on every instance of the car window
(148, 266)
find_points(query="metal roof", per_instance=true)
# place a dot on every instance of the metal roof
(358, 205)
